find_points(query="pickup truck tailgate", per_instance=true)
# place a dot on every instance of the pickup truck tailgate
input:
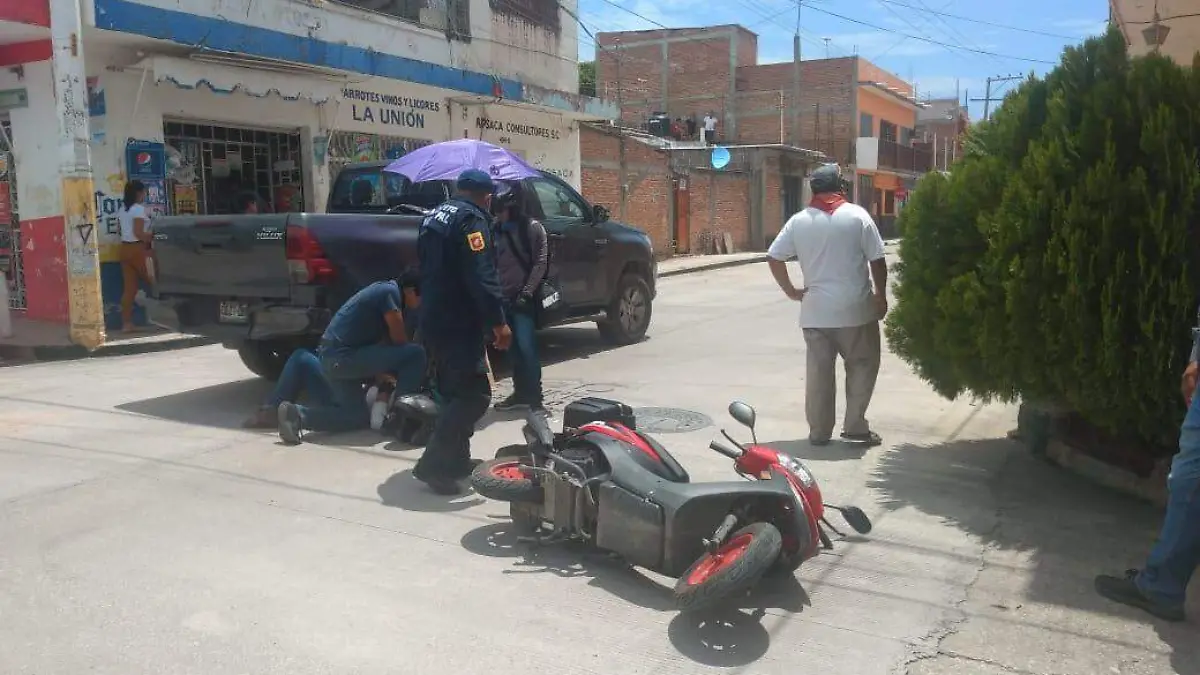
(224, 256)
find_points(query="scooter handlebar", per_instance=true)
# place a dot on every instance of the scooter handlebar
(728, 452)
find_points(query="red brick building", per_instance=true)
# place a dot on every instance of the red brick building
(854, 112)
(686, 206)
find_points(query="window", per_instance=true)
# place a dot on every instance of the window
(887, 131)
(373, 189)
(906, 136)
(866, 125)
(451, 16)
(557, 205)
(889, 202)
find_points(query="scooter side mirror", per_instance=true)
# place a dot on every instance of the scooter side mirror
(743, 413)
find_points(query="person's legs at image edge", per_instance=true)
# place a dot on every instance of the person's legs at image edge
(447, 457)
(820, 385)
(527, 369)
(860, 350)
(344, 411)
(1161, 586)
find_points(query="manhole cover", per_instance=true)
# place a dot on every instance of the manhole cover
(670, 420)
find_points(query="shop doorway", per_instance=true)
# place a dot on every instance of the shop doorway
(682, 230)
(10, 224)
(216, 163)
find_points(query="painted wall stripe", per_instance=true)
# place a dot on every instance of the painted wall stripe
(24, 52)
(31, 12)
(228, 36)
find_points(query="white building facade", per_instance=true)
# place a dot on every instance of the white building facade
(205, 99)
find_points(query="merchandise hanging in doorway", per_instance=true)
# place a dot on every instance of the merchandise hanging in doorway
(209, 166)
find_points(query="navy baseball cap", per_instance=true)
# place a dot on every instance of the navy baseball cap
(826, 178)
(474, 180)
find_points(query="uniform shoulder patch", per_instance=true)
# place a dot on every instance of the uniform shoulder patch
(476, 241)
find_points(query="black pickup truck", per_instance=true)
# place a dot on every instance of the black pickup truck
(268, 284)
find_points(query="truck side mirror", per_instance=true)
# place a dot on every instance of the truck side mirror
(600, 214)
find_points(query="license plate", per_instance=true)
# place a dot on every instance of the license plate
(233, 312)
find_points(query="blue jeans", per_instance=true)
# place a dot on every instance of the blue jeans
(346, 369)
(527, 369)
(1176, 554)
(301, 373)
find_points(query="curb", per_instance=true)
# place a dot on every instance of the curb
(74, 352)
(712, 266)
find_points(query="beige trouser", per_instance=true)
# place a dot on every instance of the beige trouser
(859, 348)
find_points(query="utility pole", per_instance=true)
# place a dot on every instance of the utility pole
(826, 46)
(796, 141)
(987, 96)
(621, 178)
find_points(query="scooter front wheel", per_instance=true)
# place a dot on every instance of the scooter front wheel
(732, 569)
(505, 480)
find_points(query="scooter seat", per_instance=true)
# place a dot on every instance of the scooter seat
(668, 468)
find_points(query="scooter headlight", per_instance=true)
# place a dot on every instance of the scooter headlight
(798, 469)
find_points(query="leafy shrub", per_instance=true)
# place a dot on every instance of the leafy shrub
(1056, 261)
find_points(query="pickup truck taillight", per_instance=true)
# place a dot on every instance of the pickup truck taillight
(307, 263)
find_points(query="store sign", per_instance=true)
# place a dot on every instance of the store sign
(518, 128)
(404, 112)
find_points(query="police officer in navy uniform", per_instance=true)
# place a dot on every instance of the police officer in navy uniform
(461, 311)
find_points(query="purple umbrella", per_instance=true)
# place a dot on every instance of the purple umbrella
(444, 161)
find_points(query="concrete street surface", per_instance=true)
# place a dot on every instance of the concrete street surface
(142, 531)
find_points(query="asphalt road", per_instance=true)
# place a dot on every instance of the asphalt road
(142, 531)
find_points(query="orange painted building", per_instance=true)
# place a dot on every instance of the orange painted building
(886, 163)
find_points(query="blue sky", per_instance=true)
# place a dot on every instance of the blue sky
(935, 68)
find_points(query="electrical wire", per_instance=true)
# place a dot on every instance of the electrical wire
(924, 39)
(981, 22)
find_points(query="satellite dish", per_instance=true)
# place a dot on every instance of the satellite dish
(720, 158)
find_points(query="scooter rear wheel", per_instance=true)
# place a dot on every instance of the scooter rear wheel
(733, 568)
(505, 481)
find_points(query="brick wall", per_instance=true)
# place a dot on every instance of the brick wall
(647, 204)
(826, 104)
(696, 64)
(719, 201)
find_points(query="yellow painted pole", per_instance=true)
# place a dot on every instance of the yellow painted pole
(86, 309)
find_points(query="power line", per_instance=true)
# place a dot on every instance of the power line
(981, 22)
(924, 39)
(953, 30)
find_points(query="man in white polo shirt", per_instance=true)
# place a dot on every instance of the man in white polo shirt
(840, 254)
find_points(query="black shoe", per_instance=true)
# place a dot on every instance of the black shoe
(869, 439)
(511, 403)
(1125, 591)
(289, 423)
(441, 485)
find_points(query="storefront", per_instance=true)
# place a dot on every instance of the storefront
(197, 135)
(548, 141)
(209, 166)
(383, 119)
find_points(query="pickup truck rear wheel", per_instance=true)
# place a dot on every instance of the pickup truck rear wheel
(264, 359)
(628, 312)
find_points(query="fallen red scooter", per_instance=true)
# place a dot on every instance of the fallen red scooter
(603, 482)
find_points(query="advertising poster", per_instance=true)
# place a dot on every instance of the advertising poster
(156, 198)
(97, 108)
(145, 160)
(5, 203)
(185, 201)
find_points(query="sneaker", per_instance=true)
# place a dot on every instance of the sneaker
(1126, 591)
(289, 423)
(511, 403)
